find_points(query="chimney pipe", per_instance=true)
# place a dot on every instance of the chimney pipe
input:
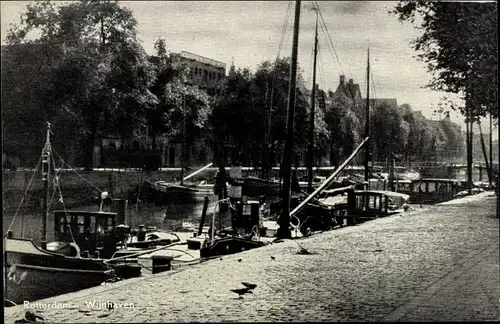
(342, 79)
(351, 81)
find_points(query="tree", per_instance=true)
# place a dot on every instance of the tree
(462, 56)
(102, 77)
(250, 113)
(273, 78)
(344, 129)
(173, 91)
(389, 130)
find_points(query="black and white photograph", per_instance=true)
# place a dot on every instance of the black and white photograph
(250, 161)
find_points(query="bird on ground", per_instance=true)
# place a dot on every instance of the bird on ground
(239, 260)
(303, 250)
(272, 258)
(249, 285)
(242, 291)
(32, 317)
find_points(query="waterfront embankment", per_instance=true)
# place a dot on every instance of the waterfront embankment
(437, 263)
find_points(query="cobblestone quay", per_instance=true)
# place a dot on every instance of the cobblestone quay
(436, 263)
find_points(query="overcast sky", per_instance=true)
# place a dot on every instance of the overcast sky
(249, 32)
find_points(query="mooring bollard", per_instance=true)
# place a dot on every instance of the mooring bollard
(161, 263)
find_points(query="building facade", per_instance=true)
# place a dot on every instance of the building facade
(204, 72)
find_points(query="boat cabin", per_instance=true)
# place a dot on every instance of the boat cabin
(433, 190)
(404, 186)
(374, 203)
(93, 232)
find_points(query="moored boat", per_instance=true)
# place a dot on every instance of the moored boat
(33, 273)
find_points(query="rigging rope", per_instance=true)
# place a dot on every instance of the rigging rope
(311, 72)
(284, 29)
(373, 84)
(57, 183)
(328, 34)
(73, 169)
(25, 193)
(320, 69)
(273, 79)
(329, 47)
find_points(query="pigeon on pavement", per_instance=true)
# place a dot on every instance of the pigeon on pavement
(249, 285)
(242, 291)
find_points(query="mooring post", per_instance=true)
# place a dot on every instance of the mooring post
(203, 215)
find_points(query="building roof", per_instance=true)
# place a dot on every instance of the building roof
(203, 59)
(349, 89)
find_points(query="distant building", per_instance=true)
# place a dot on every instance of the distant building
(322, 98)
(349, 89)
(377, 102)
(203, 71)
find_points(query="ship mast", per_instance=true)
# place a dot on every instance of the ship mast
(310, 151)
(46, 151)
(183, 139)
(284, 220)
(367, 122)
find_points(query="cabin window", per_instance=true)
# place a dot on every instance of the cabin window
(423, 186)
(247, 210)
(445, 187)
(431, 187)
(359, 202)
(92, 225)
(373, 202)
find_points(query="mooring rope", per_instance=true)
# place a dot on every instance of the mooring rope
(25, 193)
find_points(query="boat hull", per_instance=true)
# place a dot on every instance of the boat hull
(32, 273)
(165, 194)
(44, 282)
(228, 245)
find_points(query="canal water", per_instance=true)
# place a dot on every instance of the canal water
(28, 223)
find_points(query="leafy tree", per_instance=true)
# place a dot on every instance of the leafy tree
(250, 113)
(462, 55)
(344, 129)
(102, 77)
(276, 76)
(454, 147)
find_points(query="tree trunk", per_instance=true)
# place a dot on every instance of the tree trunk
(88, 162)
(485, 154)
(469, 124)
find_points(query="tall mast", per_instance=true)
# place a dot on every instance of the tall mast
(265, 153)
(491, 151)
(367, 118)
(45, 179)
(310, 151)
(284, 220)
(183, 140)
